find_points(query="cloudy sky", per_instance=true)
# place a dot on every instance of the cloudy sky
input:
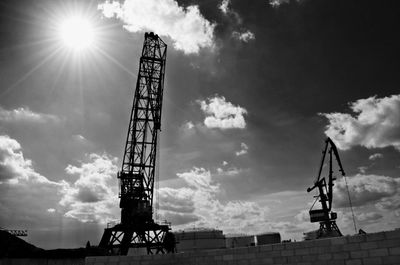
(252, 89)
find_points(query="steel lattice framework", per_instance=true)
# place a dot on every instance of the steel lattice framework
(137, 228)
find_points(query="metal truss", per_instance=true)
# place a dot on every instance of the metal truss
(137, 228)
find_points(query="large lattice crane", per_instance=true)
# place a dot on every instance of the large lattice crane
(325, 216)
(137, 228)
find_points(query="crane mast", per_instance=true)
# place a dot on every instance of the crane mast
(137, 228)
(325, 216)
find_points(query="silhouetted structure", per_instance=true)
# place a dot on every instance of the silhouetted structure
(16, 232)
(325, 216)
(137, 228)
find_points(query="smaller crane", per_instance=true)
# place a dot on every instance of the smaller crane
(325, 216)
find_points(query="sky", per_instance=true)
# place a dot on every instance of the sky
(252, 90)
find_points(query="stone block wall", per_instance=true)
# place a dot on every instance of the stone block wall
(372, 249)
(42, 261)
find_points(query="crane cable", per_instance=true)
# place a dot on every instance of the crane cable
(351, 205)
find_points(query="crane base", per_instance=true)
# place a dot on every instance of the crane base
(328, 229)
(119, 239)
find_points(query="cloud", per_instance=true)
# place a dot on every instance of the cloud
(189, 125)
(224, 6)
(197, 204)
(366, 189)
(13, 166)
(375, 156)
(222, 114)
(93, 196)
(244, 36)
(26, 115)
(25, 193)
(228, 172)
(369, 217)
(243, 149)
(189, 30)
(375, 124)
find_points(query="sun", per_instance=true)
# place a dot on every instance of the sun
(77, 33)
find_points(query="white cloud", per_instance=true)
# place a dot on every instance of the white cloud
(51, 210)
(224, 6)
(376, 124)
(244, 36)
(25, 193)
(189, 125)
(189, 30)
(26, 115)
(13, 166)
(224, 163)
(375, 156)
(222, 114)
(198, 205)
(366, 189)
(243, 149)
(233, 171)
(93, 196)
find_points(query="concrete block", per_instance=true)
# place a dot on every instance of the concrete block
(336, 262)
(302, 251)
(356, 238)
(280, 260)
(326, 256)
(264, 248)
(336, 248)
(227, 257)
(353, 262)
(359, 254)
(351, 247)
(375, 236)
(323, 242)
(341, 256)
(392, 234)
(288, 252)
(394, 251)
(372, 261)
(369, 245)
(293, 245)
(278, 247)
(392, 260)
(379, 252)
(308, 258)
(339, 240)
(389, 243)
(294, 259)
(275, 253)
(308, 243)
(242, 262)
(267, 261)
(240, 250)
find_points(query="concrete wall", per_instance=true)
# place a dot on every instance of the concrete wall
(42, 261)
(371, 249)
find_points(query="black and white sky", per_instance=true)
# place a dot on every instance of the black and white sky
(252, 89)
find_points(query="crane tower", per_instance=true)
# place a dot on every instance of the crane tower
(137, 228)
